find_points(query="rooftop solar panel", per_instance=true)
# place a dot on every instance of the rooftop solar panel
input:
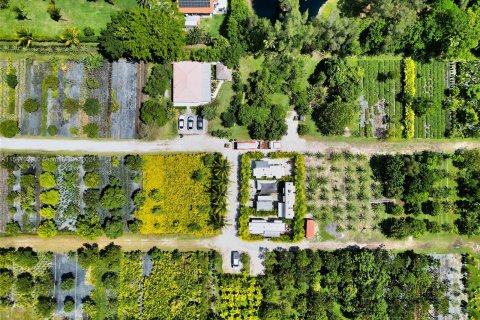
(194, 3)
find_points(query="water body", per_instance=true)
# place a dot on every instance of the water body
(268, 8)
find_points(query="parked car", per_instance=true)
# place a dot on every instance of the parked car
(199, 123)
(181, 123)
(190, 123)
(235, 260)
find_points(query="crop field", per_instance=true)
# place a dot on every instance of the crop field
(431, 83)
(175, 201)
(342, 196)
(57, 188)
(62, 89)
(380, 109)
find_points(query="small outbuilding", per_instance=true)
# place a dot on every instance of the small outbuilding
(266, 228)
(191, 22)
(222, 72)
(309, 229)
(285, 208)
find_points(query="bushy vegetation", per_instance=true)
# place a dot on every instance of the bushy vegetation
(170, 187)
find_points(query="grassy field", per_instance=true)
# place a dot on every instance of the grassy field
(212, 25)
(430, 83)
(224, 97)
(78, 13)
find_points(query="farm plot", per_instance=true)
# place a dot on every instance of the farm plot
(179, 192)
(342, 196)
(92, 98)
(430, 84)
(80, 194)
(380, 109)
(70, 286)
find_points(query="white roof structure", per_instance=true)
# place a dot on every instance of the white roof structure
(191, 84)
(264, 205)
(246, 145)
(192, 22)
(268, 168)
(267, 228)
(285, 208)
(222, 72)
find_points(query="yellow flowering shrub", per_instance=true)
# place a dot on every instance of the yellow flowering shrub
(175, 202)
(409, 80)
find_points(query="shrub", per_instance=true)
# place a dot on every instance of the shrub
(12, 80)
(220, 133)
(52, 130)
(47, 229)
(133, 162)
(158, 81)
(139, 197)
(303, 129)
(209, 111)
(88, 32)
(47, 180)
(45, 306)
(110, 280)
(54, 11)
(91, 179)
(51, 197)
(68, 281)
(409, 122)
(9, 128)
(4, 4)
(31, 105)
(51, 82)
(91, 130)
(91, 106)
(20, 13)
(409, 80)
(69, 36)
(71, 105)
(24, 283)
(13, 228)
(93, 62)
(73, 131)
(69, 304)
(49, 165)
(92, 83)
(48, 212)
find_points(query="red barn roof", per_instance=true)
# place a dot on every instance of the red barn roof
(310, 229)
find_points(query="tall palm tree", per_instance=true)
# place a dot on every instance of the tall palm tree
(24, 37)
(221, 168)
(69, 36)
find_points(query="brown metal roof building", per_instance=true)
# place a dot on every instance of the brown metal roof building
(195, 6)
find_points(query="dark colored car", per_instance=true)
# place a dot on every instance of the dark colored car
(199, 123)
(190, 123)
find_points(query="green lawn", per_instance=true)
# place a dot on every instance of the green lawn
(248, 65)
(212, 25)
(224, 97)
(330, 6)
(78, 13)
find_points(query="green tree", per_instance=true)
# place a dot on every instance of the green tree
(92, 179)
(24, 283)
(45, 306)
(26, 257)
(31, 105)
(333, 117)
(157, 34)
(68, 281)
(113, 197)
(6, 281)
(133, 162)
(47, 229)
(69, 304)
(71, 105)
(51, 197)
(113, 228)
(91, 130)
(11, 79)
(9, 128)
(158, 81)
(48, 212)
(47, 180)
(156, 112)
(91, 106)
(52, 130)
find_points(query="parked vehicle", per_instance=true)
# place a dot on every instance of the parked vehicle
(199, 123)
(235, 260)
(181, 123)
(190, 123)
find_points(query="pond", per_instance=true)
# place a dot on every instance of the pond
(268, 8)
